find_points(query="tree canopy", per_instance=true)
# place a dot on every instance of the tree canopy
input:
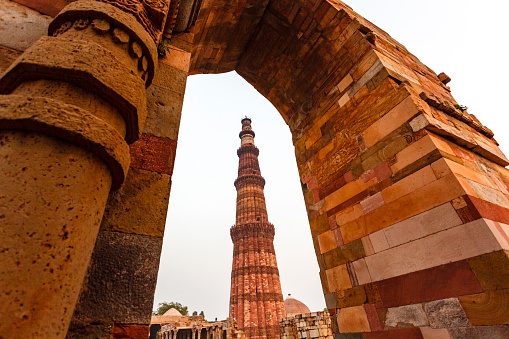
(165, 306)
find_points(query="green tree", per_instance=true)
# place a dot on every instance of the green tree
(202, 314)
(195, 313)
(165, 306)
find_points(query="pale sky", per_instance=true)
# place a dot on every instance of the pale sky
(462, 38)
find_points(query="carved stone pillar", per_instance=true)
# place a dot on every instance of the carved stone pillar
(69, 107)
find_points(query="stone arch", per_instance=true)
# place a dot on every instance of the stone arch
(381, 147)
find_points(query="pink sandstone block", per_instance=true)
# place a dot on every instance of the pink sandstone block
(455, 244)
(419, 226)
(383, 171)
(372, 203)
(361, 271)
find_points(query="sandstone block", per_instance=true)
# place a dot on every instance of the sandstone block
(478, 332)
(489, 308)
(121, 279)
(338, 278)
(327, 241)
(164, 108)
(140, 205)
(437, 219)
(446, 313)
(153, 154)
(492, 270)
(407, 333)
(406, 316)
(350, 297)
(171, 78)
(353, 319)
(432, 333)
(409, 184)
(463, 242)
(404, 111)
(372, 203)
(441, 282)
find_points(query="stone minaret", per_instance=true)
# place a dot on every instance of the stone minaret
(256, 300)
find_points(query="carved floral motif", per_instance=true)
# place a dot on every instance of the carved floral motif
(149, 13)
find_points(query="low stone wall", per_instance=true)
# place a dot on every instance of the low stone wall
(308, 325)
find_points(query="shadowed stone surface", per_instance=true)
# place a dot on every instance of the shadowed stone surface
(140, 206)
(122, 272)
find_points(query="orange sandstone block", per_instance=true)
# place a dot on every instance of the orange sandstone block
(409, 184)
(423, 199)
(338, 278)
(400, 114)
(353, 319)
(490, 308)
(327, 241)
(346, 192)
(413, 152)
(349, 214)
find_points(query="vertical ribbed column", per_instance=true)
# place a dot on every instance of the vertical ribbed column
(256, 300)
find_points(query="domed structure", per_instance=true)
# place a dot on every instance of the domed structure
(293, 306)
(173, 312)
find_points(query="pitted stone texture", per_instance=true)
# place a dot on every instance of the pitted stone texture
(121, 280)
(21, 26)
(171, 78)
(89, 66)
(140, 205)
(164, 109)
(481, 332)
(130, 332)
(70, 123)
(446, 313)
(52, 199)
(83, 330)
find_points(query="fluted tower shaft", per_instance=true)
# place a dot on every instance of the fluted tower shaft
(256, 299)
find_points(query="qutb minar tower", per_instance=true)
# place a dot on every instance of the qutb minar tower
(256, 300)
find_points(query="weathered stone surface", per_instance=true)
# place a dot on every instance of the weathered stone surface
(446, 313)
(481, 332)
(153, 154)
(140, 205)
(21, 26)
(121, 279)
(406, 316)
(84, 330)
(52, 200)
(164, 108)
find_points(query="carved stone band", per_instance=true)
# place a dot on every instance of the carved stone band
(117, 18)
(71, 123)
(89, 66)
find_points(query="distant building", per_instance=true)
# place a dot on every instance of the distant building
(300, 323)
(173, 325)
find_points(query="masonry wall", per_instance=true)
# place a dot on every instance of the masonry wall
(117, 295)
(308, 325)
